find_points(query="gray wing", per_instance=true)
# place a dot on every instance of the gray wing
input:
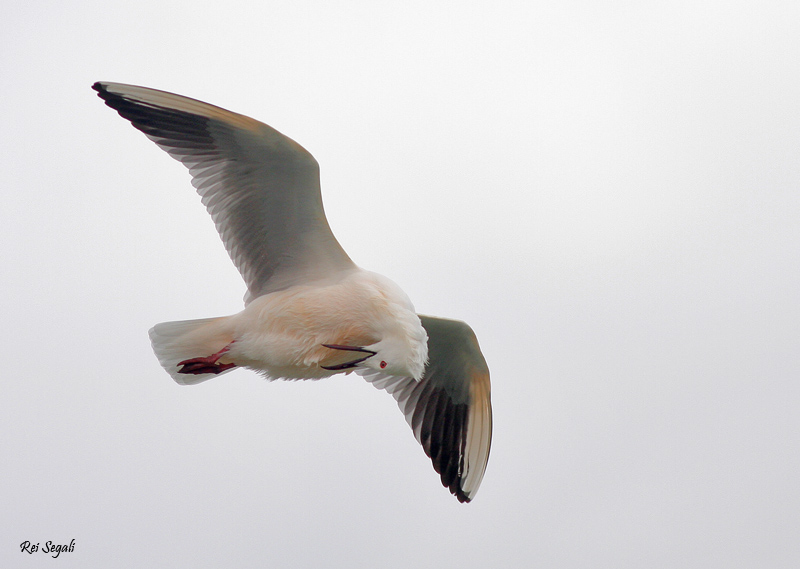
(260, 187)
(450, 408)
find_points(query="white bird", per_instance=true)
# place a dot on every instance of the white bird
(310, 312)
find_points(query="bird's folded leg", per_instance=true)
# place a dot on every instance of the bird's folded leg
(208, 364)
(352, 363)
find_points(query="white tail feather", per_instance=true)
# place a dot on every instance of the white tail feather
(175, 342)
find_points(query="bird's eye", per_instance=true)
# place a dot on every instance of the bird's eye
(383, 365)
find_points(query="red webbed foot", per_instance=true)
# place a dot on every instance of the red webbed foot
(208, 364)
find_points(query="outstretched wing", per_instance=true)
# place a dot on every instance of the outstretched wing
(260, 187)
(450, 408)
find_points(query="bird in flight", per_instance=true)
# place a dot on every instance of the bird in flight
(310, 312)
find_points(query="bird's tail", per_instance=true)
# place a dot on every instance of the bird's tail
(174, 342)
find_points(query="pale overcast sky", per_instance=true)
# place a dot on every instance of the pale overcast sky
(608, 192)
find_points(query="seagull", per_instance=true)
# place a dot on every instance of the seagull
(310, 312)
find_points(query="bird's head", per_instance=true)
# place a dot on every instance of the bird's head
(403, 350)
(399, 356)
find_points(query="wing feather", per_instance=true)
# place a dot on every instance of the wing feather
(260, 187)
(449, 409)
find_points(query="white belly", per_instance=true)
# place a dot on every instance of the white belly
(281, 334)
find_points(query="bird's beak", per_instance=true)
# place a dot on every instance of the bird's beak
(352, 363)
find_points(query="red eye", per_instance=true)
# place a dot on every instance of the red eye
(383, 365)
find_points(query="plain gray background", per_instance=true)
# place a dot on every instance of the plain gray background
(606, 191)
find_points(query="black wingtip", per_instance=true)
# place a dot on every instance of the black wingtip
(103, 92)
(463, 498)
